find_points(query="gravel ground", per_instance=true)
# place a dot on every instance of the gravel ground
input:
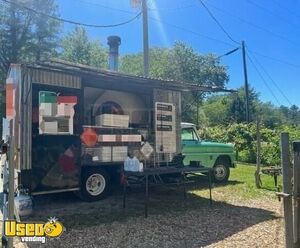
(173, 222)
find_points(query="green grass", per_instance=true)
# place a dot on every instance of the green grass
(241, 185)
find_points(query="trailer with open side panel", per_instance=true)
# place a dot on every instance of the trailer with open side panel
(73, 126)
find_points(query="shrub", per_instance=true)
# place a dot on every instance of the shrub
(243, 136)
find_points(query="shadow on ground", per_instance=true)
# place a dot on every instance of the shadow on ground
(193, 218)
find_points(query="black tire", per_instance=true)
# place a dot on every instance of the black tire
(95, 184)
(221, 171)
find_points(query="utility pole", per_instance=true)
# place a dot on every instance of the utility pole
(246, 82)
(145, 37)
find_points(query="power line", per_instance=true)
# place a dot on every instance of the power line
(226, 43)
(272, 80)
(255, 26)
(105, 7)
(275, 59)
(191, 32)
(195, 33)
(172, 9)
(71, 21)
(171, 25)
(217, 22)
(272, 13)
(164, 22)
(263, 79)
(130, 12)
(286, 9)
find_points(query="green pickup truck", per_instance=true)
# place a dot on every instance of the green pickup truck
(219, 156)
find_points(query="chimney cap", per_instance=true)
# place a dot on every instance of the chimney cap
(113, 40)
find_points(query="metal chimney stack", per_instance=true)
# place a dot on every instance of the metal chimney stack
(114, 43)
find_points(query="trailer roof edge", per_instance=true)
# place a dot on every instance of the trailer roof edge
(61, 65)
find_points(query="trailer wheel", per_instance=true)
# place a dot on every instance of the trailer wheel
(95, 184)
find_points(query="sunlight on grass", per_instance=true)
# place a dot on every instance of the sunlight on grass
(241, 186)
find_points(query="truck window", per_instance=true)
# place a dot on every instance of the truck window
(188, 134)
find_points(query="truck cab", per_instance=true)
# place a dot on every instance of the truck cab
(219, 156)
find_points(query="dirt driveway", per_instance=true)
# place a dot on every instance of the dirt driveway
(173, 221)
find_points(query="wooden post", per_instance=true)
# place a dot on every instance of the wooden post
(258, 144)
(296, 190)
(287, 190)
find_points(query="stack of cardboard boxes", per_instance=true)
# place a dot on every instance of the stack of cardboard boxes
(48, 110)
(117, 151)
(56, 113)
(108, 153)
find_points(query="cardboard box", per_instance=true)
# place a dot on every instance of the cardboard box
(131, 138)
(47, 97)
(48, 109)
(67, 99)
(112, 120)
(63, 125)
(107, 138)
(103, 153)
(50, 127)
(64, 109)
(108, 153)
(119, 153)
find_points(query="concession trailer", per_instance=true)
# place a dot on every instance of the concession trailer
(73, 126)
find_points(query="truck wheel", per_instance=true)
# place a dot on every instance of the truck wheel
(95, 184)
(221, 171)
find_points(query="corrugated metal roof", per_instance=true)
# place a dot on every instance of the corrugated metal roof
(69, 67)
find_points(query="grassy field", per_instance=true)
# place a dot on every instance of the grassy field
(241, 185)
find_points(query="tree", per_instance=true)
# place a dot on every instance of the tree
(229, 108)
(24, 35)
(182, 63)
(216, 110)
(76, 47)
(237, 105)
(285, 111)
(271, 115)
(294, 115)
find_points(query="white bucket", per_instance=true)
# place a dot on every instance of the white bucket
(23, 204)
